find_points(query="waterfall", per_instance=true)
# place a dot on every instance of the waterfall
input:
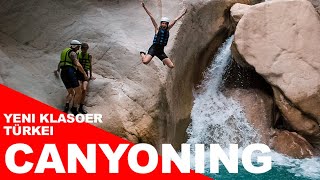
(217, 119)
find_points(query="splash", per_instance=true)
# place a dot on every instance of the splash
(217, 119)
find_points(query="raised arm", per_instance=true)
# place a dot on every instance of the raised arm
(172, 23)
(151, 17)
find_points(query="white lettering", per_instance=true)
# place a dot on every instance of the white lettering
(10, 158)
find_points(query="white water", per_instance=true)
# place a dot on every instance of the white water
(217, 119)
(307, 168)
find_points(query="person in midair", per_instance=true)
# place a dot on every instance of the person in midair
(85, 60)
(160, 39)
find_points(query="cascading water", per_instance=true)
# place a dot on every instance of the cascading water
(217, 119)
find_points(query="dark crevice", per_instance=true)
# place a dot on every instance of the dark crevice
(237, 76)
(245, 77)
(207, 54)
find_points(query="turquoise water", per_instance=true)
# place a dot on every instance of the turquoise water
(283, 168)
(276, 173)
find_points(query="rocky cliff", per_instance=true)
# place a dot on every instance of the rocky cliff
(141, 103)
(276, 81)
(278, 39)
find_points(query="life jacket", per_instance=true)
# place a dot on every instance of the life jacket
(161, 37)
(65, 59)
(84, 60)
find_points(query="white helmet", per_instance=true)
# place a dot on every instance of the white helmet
(75, 43)
(165, 19)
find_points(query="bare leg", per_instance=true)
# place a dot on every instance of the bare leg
(168, 62)
(70, 95)
(145, 58)
(77, 97)
(84, 91)
(69, 98)
(76, 100)
(84, 85)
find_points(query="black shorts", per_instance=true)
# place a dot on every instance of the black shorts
(157, 50)
(69, 77)
(80, 76)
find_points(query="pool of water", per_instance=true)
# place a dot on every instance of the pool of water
(276, 173)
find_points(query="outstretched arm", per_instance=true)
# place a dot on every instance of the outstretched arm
(172, 23)
(151, 17)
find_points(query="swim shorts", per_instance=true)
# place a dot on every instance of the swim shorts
(80, 76)
(69, 77)
(157, 50)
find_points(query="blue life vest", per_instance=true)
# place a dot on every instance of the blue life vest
(161, 37)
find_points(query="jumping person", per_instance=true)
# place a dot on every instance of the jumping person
(160, 39)
(68, 65)
(85, 60)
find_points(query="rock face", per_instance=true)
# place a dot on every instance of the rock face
(238, 10)
(280, 40)
(265, 41)
(258, 108)
(132, 97)
(316, 4)
(126, 92)
(291, 144)
(296, 119)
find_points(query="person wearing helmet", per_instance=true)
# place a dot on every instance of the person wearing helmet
(160, 40)
(85, 60)
(68, 65)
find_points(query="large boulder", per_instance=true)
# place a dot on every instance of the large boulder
(280, 40)
(291, 144)
(297, 120)
(258, 109)
(238, 10)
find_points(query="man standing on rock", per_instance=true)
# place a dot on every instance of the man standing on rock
(160, 39)
(69, 65)
(85, 60)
